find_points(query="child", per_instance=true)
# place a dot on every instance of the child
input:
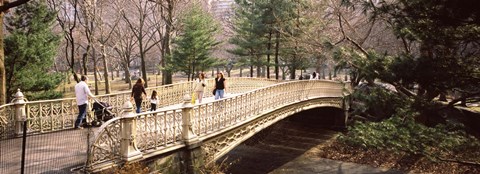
(153, 101)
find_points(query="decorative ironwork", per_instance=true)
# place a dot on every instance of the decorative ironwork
(54, 115)
(106, 145)
(217, 115)
(220, 124)
(215, 147)
(158, 129)
(7, 121)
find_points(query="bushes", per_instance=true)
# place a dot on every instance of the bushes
(401, 133)
(377, 102)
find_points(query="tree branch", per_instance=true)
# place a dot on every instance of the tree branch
(350, 39)
(9, 5)
(451, 103)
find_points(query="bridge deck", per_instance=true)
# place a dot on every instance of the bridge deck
(56, 152)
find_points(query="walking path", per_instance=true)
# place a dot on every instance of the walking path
(291, 147)
(56, 152)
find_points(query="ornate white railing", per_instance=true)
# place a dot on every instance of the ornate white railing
(213, 116)
(54, 115)
(154, 133)
(7, 120)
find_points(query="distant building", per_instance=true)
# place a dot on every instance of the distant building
(222, 9)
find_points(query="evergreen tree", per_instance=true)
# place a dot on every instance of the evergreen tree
(263, 27)
(294, 27)
(30, 50)
(249, 31)
(193, 46)
(441, 49)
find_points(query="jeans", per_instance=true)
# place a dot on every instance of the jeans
(153, 107)
(138, 104)
(219, 94)
(82, 112)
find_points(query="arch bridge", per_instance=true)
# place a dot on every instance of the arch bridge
(199, 134)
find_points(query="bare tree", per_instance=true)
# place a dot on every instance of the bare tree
(168, 11)
(144, 31)
(88, 21)
(67, 16)
(125, 46)
(107, 25)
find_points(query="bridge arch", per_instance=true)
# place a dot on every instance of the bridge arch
(207, 131)
(214, 147)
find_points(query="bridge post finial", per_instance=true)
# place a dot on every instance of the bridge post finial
(20, 114)
(128, 145)
(187, 112)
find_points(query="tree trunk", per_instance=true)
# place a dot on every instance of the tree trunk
(3, 82)
(277, 44)
(85, 60)
(144, 70)
(167, 74)
(251, 70)
(259, 73)
(292, 73)
(75, 76)
(241, 69)
(269, 47)
(105, 70)
(95, 74)
(128, 79)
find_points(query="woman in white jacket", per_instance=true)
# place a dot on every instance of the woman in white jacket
(200, 86)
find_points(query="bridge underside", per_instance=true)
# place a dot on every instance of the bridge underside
(213, 148)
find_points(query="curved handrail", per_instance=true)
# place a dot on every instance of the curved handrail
(162, 129)
(59, 114)
(7, 120)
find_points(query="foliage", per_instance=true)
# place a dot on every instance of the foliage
(441, 47)
(249, 31)
(378, 101)
(402, 134)
(129, 168)
(195, 42)
(30, 50)
(261, 24)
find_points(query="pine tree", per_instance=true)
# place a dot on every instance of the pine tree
(30, 50)
(193, 46)
(249, 31)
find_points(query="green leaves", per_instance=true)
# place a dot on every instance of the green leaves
(30, 50)
(194, 44)
(402, 134)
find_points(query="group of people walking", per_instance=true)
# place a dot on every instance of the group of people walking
(82, 93)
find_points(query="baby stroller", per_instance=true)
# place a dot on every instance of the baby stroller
(102, 113)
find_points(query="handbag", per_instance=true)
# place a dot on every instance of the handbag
(214, 91)
(194, 98)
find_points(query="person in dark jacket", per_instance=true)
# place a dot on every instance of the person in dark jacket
(137, 91)
(220, 86)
